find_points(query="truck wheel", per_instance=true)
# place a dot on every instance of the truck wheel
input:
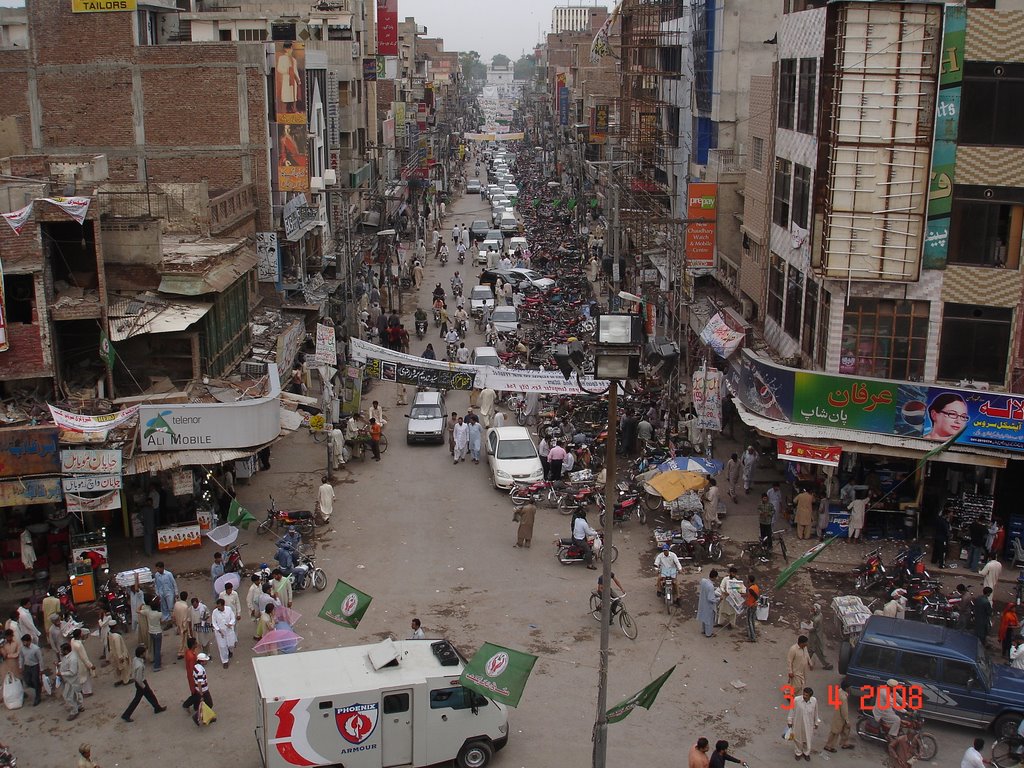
(475, 754)
(845, 652)
(1005, 726)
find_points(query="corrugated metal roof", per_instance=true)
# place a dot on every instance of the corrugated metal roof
(149, 313)
(214, 281)
(868, 442)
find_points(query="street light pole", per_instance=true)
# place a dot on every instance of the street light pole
(610, 496)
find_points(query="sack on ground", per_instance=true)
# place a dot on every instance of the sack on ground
(14, 692)
(206, 714)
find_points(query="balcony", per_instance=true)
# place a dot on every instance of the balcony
(231, 208)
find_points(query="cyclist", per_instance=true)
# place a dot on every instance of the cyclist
(616, 597)
(668, 565)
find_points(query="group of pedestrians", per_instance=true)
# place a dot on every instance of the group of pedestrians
(465, 437)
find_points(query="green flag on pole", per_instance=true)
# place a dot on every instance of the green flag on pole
(556, 203)
(498, 673)
(239, 515)
(643, 698)
(345, 605)
(106, 350)
(801, 561)
(572, 204)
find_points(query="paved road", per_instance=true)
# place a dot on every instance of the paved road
(433, 540)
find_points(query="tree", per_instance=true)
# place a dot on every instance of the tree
(469, 61)
(525, 67)
(500, 61)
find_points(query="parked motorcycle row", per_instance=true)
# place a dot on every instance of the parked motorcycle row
(916, 593)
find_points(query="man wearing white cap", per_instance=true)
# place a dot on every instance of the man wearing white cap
(888, 706)
(202, 692)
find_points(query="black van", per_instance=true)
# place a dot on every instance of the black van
(959, 684)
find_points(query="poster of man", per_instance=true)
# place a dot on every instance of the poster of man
(290, 83)
(292, 158)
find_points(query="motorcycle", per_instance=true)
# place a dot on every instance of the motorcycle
(451, 350)
(945, 609)
(572, 500)
(444, 257)
(67, 604)
(567, 551)
(233, 560)
(304, 573)
(115, 602)
(534, 493)
(626, 507)
(669, 594)
(462, 257)
(707, 545)
(421, 327)
(7, 758)
(461, 329)
(437, 317)
(871, 572)
(283, 518)
(925, 746)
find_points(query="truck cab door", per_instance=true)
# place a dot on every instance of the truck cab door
(396, 728)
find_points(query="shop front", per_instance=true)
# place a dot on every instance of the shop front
(892, 443)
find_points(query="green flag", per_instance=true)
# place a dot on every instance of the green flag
(107, 354)
(572, 204)
(801, 561)
(498, 673)
(345, 606)
(239, 515)
(643, 698)
(556, 203)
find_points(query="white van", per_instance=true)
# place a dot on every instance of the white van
(369, 706)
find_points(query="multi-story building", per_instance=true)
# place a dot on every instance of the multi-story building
(574, 18)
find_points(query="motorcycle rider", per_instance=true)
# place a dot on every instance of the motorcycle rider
(888, 707)
(462, 353)
(582, 533)
(420, 317)
(462, 321)
(292, 539)
(668, 565)
(456, 283)
(438, 293)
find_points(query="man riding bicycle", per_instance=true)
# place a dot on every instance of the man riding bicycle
(616, 597)
(668, 565)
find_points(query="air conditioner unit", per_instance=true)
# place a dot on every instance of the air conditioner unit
(253, 368)
(330, 177)
(316, 184)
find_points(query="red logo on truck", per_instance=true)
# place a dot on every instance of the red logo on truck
(356, 723)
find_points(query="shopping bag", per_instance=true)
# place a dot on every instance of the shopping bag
(787, 735)
(14, 692)
(206, 714)
(47, 685)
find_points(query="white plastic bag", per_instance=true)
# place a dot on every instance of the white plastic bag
(787, 735)
(14, 692)
(47, 685)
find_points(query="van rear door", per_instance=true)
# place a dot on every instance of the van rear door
(396, 728)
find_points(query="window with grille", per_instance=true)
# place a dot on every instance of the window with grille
(787, 92)
(776, 285)
(886, 338)
(807, 86)
(252, 35)
(781, 191)
(794, 301)
(756, 152)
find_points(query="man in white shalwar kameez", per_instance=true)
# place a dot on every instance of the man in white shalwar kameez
(325, 499)
(487, 398)
(803, 719)
(460, 436)
(224, 631)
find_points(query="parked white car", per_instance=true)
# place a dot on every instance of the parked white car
(480, 298)
(512, 457)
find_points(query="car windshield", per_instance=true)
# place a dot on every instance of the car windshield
(504, 314)
(516, 449)
(494, 362)
(482, 293)
(424, 412)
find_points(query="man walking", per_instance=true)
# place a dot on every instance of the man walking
(142, 689)
(804, 514)
(749, 464)
(816, 640)
(839, 730)
(721, 756)
(179, 617)
(224, 631)
(325, 499)
(556, 455)
(803, 719)
(707, 599)
(476, 436)
(750, 602)
(232, 599)
(68, 669)
(281, 587)
(940, 540)
(216, 571)
(525, 515)
(460, 436)
(166, 588)
(990, 573)
(26, 624)
(765, 514)
(798, 662)
(732, 475)
(201, 690)
(775, 499)
(30, 660)
(154, 621)
(982, 606)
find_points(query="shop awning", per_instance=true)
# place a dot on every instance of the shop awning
(157, 461)
(857, 441)
(149, 313)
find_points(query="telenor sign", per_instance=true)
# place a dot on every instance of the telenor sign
(102, 6)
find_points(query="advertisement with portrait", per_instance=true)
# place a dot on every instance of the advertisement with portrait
(290, 83)
(292, 146)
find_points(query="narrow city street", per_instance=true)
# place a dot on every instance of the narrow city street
(431, 540)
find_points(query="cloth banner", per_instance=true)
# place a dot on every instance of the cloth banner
(707, 398)
(345, 605)
(499, 673)
(239, 515)
(643, 698)
(75, 207)
(388, 365)
(17, 219)
(75, 503)
(107, 354)
(722, 339)
(826, 455)
(80, 422)
(326, 345)
(601, 45)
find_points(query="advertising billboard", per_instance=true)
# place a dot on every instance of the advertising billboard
(930, 412)
(387, 27)
(700, 235)
(290, 83)
(292, 146)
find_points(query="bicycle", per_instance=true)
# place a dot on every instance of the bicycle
(626, 623)
(319, 428)
(1008, 752)
(761, 550)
